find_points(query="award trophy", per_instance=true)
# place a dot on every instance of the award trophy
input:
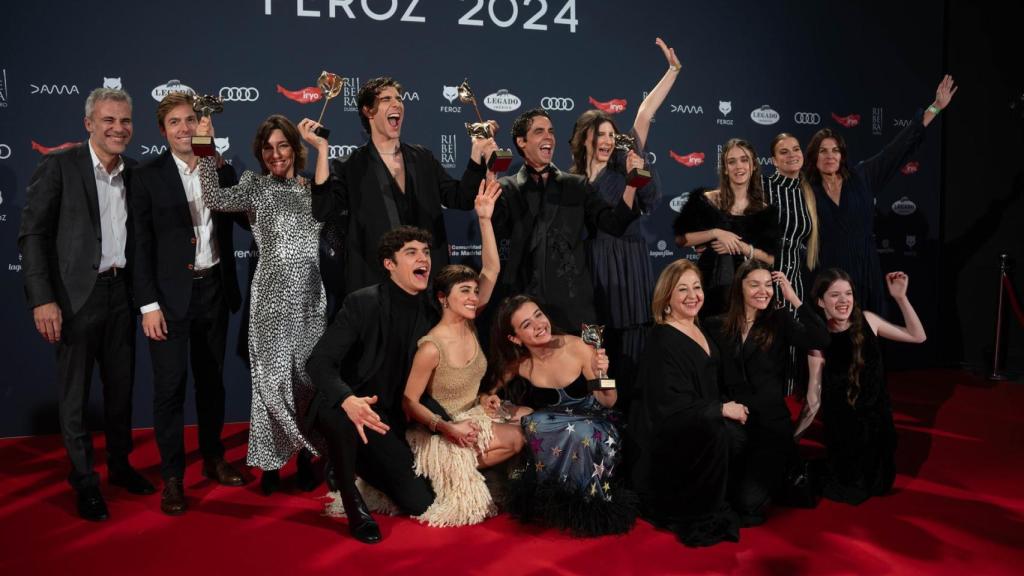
(330, 85)
(592, 335)
(205, 105)
(500, 159)
(637, 177)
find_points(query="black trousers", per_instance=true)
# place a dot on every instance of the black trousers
(200, 337)
(385, 462)
(101, 332)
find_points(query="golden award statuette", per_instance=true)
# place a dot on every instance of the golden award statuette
(500, 159)
(592, 334)
(330, 85)
(205, 105)
(637, 177)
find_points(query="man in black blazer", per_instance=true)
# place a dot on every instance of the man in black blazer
(75, 242)
(545, 215)
(387, 183)
(185, 284)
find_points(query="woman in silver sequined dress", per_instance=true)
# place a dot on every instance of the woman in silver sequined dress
(288, 312)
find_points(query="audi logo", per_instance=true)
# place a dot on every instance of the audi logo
(811, 118)
(239, 94)
(5, 151)
(560, 104)
(341, 150)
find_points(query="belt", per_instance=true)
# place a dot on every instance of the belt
(111, 273)
(204, 273)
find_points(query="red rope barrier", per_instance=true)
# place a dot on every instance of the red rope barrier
(1013, 300)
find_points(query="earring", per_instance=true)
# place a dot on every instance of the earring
(667, 311)
(444, 303)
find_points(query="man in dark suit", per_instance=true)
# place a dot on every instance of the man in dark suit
(387, 183)
(545, 215)
(75, 241)
(184, 280)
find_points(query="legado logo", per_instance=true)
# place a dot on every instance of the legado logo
(677, 203)
(807, 118)
(764, 115)
(904, 206)
(155, 149)
(849, 121)
(306, 95)
(691, 160)
(502, 101)
(341, 150)
(58, 89)
(613, 106)
(687, 109)
(170, 86)
(557, 104)
(5, 151)
(47, 149)
(239, 94)
(910, 168)
(724, 107)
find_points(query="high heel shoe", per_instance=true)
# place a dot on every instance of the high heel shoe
(361, 524)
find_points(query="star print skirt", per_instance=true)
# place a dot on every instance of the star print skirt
(568, 478)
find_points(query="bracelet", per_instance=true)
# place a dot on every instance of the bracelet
(751, 256)
(675, 67)
(434, 419)
(934, 109)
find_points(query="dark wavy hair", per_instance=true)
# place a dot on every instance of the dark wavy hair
(291, 134)
(822, 282)
(763, 329)
(591, 119)
(367, 96)
(811, 156)
(755, 191)
(521, 125)
(393, 240)
(506, 356)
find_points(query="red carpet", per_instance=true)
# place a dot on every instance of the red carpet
(957, 509)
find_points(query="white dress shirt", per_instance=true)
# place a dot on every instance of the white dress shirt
(113, 212)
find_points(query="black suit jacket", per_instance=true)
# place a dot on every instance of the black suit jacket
(359, 192)
(165, 250)
(59, 238)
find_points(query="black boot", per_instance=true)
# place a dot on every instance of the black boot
(329, 476)
(305, 477)
(361, 524)
(270, 482)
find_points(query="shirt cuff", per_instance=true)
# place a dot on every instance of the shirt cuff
(150, 307)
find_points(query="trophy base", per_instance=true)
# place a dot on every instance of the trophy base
(499, 161)
(598, 384)
(322, 132)
(203, 146)
(638, 177)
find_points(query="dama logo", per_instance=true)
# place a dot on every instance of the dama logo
(55, 89)
(687, 109)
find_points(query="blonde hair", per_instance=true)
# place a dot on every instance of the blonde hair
(666, 283)
(812, 211)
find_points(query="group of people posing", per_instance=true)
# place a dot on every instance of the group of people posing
(392, 388)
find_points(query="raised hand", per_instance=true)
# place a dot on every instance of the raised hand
(786, 288)
(205, 127)
(670, 54)
(633, 161)
(897, 283)
(944, 93)
(306, 128)
(486, 197)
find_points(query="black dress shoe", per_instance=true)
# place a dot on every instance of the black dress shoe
(130, 479)
(172, 499)
(91, 506)
(270, 482)
(224, 473)
(361, 524)
(305, 477)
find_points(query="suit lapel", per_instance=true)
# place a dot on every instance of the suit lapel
(175, 189)
(88, 173)
(383, 185)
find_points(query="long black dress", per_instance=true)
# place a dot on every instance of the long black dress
(681, 441)
(860, 440)
(760, 229)
(755, 376)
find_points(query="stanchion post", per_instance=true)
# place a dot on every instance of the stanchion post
(997, 373)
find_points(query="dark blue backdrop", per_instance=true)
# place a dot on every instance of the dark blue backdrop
(803, 63)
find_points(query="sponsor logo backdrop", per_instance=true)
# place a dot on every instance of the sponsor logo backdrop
(263, 57)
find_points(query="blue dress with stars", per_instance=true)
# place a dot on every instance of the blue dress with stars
(568, 480)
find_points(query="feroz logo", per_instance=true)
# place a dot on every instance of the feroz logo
(449, 149)
(764, 115)
(155, 149)
(502, 101)
(691, 160)
(724, 107)
(306, 95)
(3, 88)
(807, 118)
(166, 88)
(557, 104)
(911, 240)
(677, 203)
(450, 93)
(904, 206)
(112, 83)
(849, 121)
(222, 145)
(5, 151)
(47, 149)
(410, 96)
(341, 150)
(687, 109)
(58, 89)
(910, 168)
(613, 106)
(877, 121)
(239, 94)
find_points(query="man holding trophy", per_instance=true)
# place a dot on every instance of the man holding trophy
(184, 281)
(387, 183)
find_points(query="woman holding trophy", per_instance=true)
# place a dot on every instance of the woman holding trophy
(288, 311)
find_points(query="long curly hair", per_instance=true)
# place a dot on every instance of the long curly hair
(755, 191)
(822, 283)
(763, 329)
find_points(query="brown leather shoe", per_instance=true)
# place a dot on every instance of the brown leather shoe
(222, 472)
(172, 499)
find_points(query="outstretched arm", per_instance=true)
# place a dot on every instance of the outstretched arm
(642, 122)
(943, 96)
(913, 331)
(323, 170)
(490, 190)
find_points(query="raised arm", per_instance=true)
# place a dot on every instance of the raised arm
(488, 195)
(323, 169)
(236, 198)
(644, 114)
(913, 331)
(943, 96)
